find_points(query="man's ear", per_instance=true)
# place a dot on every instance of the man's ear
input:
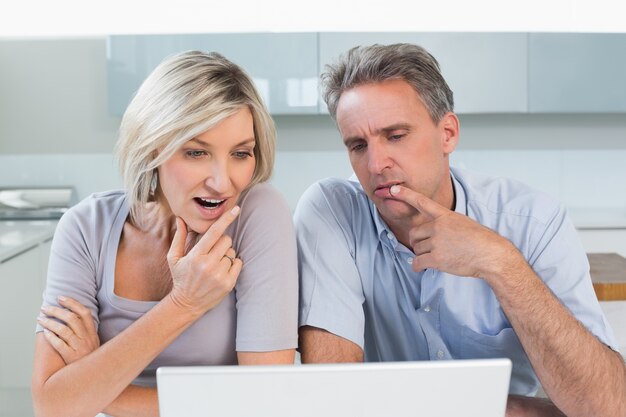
(449, 125)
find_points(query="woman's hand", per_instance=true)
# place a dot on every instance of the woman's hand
(74, 339)
(208, 272)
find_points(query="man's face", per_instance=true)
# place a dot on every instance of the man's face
(391, 139)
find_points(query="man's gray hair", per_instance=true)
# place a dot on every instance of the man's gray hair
(377, 63)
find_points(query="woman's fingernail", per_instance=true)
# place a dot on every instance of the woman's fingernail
(235, 210)
(62, 298)
(394, 189)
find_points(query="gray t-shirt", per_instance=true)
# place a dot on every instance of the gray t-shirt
(259, 315)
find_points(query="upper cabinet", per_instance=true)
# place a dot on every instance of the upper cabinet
(577, 73)
(283, 66)
(486, 71)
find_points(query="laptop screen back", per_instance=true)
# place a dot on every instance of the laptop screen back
(443, 388)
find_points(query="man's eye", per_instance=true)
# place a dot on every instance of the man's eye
(396, 137)
(358, 147)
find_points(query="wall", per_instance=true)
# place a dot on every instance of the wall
(54, 130)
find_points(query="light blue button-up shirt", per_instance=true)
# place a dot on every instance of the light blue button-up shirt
(356, 279)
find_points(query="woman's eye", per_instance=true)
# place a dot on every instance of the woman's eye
(242, 154)
(195, 154)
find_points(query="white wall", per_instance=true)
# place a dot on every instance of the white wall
(54, 130)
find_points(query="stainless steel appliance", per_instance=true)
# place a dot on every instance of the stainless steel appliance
(34, 203)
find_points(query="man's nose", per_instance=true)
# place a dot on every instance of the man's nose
(378, 158)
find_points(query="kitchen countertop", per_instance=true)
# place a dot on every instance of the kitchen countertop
(20, 235)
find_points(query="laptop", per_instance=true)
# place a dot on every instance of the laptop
(469, 388)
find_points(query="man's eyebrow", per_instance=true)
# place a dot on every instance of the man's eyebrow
(350, 140)
(397, 126)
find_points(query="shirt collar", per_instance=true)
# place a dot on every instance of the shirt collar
(459, 195)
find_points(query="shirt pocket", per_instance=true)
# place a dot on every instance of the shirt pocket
(504, 344)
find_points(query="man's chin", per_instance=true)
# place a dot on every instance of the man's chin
(390, 208)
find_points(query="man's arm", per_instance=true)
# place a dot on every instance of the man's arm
(580, 374)
(319, 346)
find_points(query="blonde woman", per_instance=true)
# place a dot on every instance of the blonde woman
(193, 264)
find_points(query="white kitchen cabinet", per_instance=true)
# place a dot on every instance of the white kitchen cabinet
(22, 280)
(604, 240)
(283, 66)
(486, 71)
(577, 73)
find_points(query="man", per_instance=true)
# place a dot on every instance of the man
(420, 261)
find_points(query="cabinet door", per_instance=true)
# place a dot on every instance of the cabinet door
(486, 71)
(283, 66)
(20, 298)
(571, 73)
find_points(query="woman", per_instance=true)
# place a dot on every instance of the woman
(194, 264)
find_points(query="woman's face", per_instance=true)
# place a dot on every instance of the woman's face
(205, 177)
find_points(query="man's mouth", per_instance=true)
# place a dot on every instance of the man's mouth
(209, 203)
(382, 190)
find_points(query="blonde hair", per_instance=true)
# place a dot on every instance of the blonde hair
(186, 95)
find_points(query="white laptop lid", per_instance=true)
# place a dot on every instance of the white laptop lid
(394, 389)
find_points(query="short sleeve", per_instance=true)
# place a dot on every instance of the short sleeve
(560, 260)
(73, 263)
(331, 293)
(267, 288)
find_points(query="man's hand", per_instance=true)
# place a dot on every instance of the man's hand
(451, 242)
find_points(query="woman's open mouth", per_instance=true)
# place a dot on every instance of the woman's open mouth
(207, 203)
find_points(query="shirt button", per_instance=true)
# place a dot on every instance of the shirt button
(389, 236)
(427, 309)
(440, 354)
(409, 260)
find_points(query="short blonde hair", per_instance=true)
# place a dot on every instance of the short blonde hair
(186, 95)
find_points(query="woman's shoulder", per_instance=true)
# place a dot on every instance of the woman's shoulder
(264, 215)
(263, 197)
(97, 209)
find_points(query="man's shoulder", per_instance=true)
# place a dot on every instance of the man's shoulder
(337, 191)
(341, 198)
(501, 196)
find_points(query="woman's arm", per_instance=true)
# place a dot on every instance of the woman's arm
(277, 357)
(201, 279)
(90, 384)
(267, 289)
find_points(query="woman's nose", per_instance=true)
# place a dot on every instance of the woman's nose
(218, 179)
